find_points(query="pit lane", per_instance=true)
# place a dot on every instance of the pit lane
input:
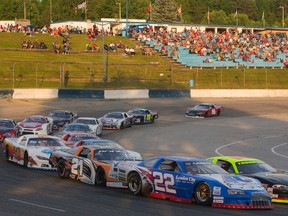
(248, 126)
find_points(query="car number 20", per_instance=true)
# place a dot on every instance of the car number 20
(163, 182)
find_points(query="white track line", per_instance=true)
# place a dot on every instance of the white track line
(229, 144)
(273, 150)
(33, 204)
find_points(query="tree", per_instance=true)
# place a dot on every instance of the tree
(164, 11)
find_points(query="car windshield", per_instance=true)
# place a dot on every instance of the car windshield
(114, 115)
(248, 167)
(81, 137)
(77, 128)
(201, 106)
(200, 167)
(86, 121)
(60, 115)
(102, 143)
(112, 154)
(6, 124)
(36, 119)
(44, 142)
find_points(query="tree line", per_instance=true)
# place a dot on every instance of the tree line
(222, 12)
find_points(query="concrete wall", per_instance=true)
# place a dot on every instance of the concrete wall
(139, 93)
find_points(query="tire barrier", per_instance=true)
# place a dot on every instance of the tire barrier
(6, 93)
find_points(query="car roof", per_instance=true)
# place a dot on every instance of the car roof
(235, 159)
(179, 158)
(86, 118)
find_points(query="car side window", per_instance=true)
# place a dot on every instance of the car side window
(169, 165)
(226, 166)
(84, 153)
(125, 115)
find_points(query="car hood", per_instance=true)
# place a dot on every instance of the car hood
(271, 177)
(109, 120)
(57, 120)
(30, 124)
(236, 181)
(5, 130)
(46, 150)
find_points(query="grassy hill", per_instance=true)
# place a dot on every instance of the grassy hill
(25, 68)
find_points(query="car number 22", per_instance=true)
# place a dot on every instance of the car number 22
(163, 182)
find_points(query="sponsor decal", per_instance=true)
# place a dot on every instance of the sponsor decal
(185, 178)
(47, 151)
(216, 190)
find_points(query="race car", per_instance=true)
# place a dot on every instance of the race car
(70, 139)
(62, 117)
(36, 124)
(204, 110)
(93, 123)
(116, 120)
(31, 151)
(75, 128)
(142, 116)
(91, 164)
(188, 179)
(8, 128)
(275, 181)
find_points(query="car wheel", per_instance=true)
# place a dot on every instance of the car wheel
(203, 194)
(135, 184)
(141, 121)
(122, 126)
(26, 156)
(61, 170)
(218, 113)
(100, 177)
(7, 156)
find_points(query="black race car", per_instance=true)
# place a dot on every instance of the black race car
(62, 117)
(275, 181)
(142, 116)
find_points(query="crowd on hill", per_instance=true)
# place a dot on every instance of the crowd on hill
(229, 45)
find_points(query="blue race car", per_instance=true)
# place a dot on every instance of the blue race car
(187, 179)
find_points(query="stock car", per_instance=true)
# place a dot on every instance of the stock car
(70, 139)
(204, 110)
(75, 128)
(62, 117)
(31, 151)
(8, 128)
(142, 116)
(91, 164)
(116, 120)
(275, 181)
(36, 124)
(93, 123)
(188, 179)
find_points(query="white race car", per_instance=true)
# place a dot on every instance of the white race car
(116, 120)
(36, 124)
(93, 123)
(32, 151)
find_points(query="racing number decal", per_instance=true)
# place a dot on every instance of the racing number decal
(167, 179)
(148, 117)
(77, 167)
(213, 111)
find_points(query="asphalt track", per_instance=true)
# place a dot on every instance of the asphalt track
(255, 127)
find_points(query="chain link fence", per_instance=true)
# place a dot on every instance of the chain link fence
(90, 75)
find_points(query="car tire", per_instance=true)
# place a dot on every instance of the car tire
(203, 194)
(100, 178)
(122, 126)
(61, 170)
(135, 184)
(26, 157)
(7, 156)
(218, 113)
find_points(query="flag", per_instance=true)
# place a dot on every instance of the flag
(263, 16)
(81, 6)
(179, 11)
(149, 8)
(235, 15)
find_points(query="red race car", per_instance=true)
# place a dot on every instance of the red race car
(204, 110)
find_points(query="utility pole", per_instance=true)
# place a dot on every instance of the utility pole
(283, 24)
(25, 6)
(119, 4)
(51, 11)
